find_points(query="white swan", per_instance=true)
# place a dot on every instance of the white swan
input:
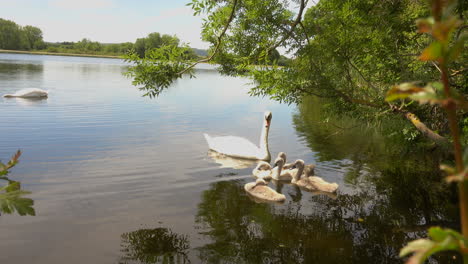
(265, 171)
(29, 93)
(261, 191)
(240, 147)
(311, 183)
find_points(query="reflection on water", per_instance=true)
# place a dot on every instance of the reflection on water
(231, 162)
(29, 101)
(102, 161)
(158, 245)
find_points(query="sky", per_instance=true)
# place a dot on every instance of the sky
(106, 21)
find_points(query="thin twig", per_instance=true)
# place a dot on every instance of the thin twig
(293, 26)
(219, 40)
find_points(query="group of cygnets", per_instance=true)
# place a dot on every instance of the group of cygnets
(296, 173)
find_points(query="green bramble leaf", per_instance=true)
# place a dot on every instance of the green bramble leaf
(432, 93)
(442, 240)
(14, 201)
(425, 25)
(402, 91)
(416, 246)
(13, 186)
(437, 234)
(447, 169)
(11, 195)
(433, 52)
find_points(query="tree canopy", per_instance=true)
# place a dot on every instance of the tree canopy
(15, 37)
(350, 51)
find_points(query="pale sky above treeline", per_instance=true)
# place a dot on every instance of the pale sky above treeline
(105, 21)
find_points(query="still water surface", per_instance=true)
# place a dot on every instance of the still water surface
(118, 178)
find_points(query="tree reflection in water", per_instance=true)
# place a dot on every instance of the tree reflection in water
(392, 195)
(396, 193)
(158, 245)
(359, 228)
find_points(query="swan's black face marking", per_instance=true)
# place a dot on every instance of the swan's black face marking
(279, 161)
(268, 117)
(299, 163)
(282, 155)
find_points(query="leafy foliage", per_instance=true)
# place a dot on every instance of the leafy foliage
(158, 68)
(442, 50)
(441, 240)
(350, 51)
(11, 195)
(15, 37)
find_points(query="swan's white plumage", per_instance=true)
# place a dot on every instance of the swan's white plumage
(233, 146)
(29, 93)
(240, 147)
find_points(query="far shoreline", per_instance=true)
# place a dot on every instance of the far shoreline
(59, 54)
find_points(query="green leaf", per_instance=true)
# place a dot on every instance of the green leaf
(13, 186)
(443, 240)
(437, 234)
(447, 169)
(13, 201)
(433, 52)
(456, 177)
(425, 24)
(415, 246)
(402, 91)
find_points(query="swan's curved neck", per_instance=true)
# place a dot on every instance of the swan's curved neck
(264, 141)
(300, 170)
(278, 170)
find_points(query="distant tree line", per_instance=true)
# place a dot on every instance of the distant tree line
(86, 46)
(16, 37)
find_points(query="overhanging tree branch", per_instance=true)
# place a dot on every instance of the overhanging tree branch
(293, 26)
(219, 40)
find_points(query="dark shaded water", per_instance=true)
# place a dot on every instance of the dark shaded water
(118, 178)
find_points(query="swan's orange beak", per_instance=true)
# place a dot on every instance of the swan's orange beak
(267, 123)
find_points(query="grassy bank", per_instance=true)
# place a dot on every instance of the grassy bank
(59, 54)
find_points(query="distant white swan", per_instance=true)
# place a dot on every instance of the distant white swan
(240, 147)
(311, 183)
(29, 93)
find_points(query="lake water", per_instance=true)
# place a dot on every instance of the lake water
(121, 178)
